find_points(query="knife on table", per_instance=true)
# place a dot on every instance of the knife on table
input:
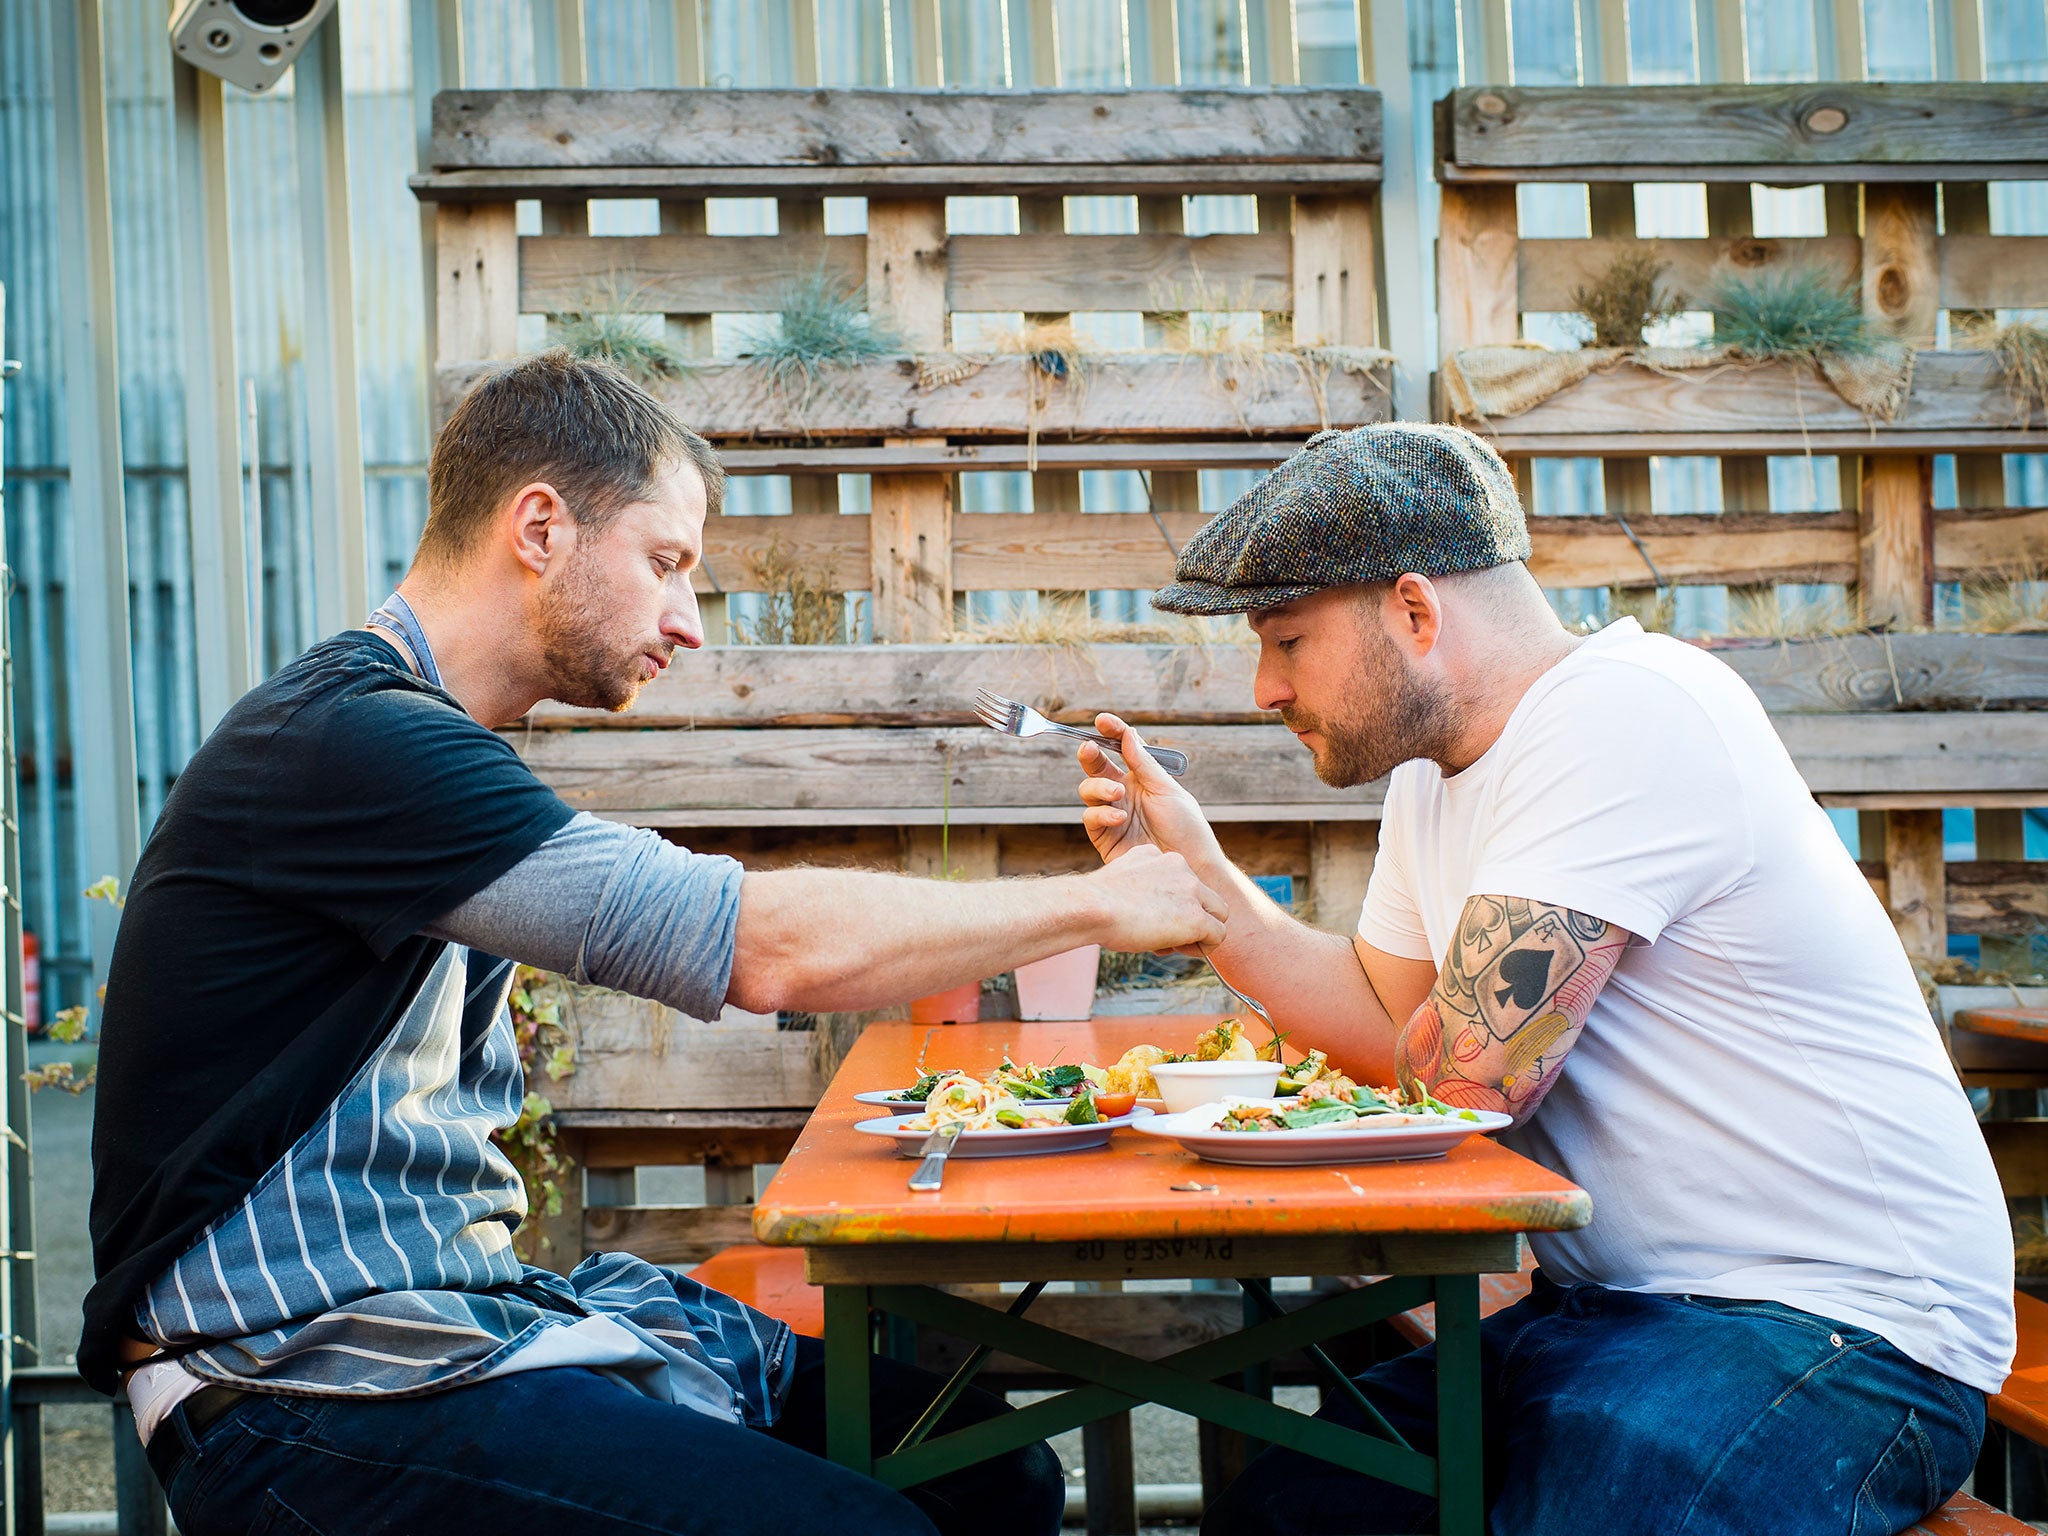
(933, 1167)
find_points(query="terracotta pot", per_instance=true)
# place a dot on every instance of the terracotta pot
(1059, 986)
(959, 1005)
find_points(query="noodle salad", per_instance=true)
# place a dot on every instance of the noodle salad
(1008, 1100)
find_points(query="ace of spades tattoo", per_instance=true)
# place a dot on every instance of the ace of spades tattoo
(1520, 976)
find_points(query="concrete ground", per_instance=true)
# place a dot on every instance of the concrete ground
(78, 1447)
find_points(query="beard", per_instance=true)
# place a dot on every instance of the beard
(589, 664)
(1388, 716)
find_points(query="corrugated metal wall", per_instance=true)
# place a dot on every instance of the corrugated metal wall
(631, 42)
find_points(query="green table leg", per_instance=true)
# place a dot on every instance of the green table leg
(848, 1438)
(1258, 1378)
(1461, 1449)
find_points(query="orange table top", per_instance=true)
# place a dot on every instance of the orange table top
(840, 1186)
(2007, 1023)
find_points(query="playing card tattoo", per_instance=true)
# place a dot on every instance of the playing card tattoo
(1510, 999)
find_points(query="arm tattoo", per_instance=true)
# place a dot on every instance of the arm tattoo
(1508, 1004)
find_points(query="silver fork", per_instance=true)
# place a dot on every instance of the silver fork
(1250, 1002)
(1014, 719)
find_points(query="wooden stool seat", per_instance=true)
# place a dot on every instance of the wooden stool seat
(1496, 1294)
(769, 1280)
(1965, 1516)
(2022, 1404)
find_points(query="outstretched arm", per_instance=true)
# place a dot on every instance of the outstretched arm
(1513, 994)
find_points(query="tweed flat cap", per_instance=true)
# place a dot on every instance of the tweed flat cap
(1356, 505)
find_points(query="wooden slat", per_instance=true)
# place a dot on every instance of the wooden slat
(1476, 266)
(1012, 551)
(1882, 673)
(1990, 542)
(1773, 408)
(725, 274)
(633, 1054)
(932, 685)
(1342, 177)
(1895, 542)
(1693, 550)
(1333, 273)
(1553, 270)
(1915, 890)
(1994, 271)
(829, 547)
(476, 308)
(728, 1138)
(1257, 848)
(882, 131)
(833, 776)
(1998, 898)
(1901, 268)
(910, 557)
(1341, 855)
(1999, 130)
(906, 266)
(1891, 758)
(1176, 453)
(667, 1234)
(1131, 395)
(844, 776)
(1064, 273)
(2019, 1150)
(935, 685)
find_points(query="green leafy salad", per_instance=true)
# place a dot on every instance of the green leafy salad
(1355, 1106)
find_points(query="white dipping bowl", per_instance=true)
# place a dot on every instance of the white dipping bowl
(1190, 1084)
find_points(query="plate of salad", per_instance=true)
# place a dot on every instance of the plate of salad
(1358, 1125)
(1128, 1080)
(1027, 1084)
(997, 1122)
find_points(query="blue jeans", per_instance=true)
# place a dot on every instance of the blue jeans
(1635, 1415)
(570, 1453)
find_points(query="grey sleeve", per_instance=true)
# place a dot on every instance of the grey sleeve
(616, 906)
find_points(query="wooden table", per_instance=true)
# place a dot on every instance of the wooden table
(1125, 1213)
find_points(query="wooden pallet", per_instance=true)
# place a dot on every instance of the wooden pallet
(1889, 156)
(913, 421)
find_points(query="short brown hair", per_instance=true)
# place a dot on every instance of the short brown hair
(576, 423)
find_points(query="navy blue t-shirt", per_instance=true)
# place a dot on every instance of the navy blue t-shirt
(271, 939)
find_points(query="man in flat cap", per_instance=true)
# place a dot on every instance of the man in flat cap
(1606, 904)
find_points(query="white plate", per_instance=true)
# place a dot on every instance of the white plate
(1025, 1143)
(1377, 1139)
(886, 1098)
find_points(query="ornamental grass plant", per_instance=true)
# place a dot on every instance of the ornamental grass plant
(623, 338)
(1801, 314)
(821, 325)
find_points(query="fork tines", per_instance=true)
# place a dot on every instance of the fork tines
(997, 712)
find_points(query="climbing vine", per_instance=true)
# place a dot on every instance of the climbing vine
(547, 1052)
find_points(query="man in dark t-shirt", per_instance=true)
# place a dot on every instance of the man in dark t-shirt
(301, 1229)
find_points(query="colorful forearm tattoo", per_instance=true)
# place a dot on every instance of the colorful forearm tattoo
(1508, 1004)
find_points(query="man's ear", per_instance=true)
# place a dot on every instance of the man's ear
(537, 526)
(1417, 612)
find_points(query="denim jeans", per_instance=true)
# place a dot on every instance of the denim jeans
(1635, 1415)
(570, 1453)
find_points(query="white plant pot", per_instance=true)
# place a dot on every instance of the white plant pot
(1059, 986)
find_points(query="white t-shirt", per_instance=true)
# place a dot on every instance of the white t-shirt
(1759, 1104)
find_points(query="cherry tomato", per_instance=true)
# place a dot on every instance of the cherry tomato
(1111, 1105)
